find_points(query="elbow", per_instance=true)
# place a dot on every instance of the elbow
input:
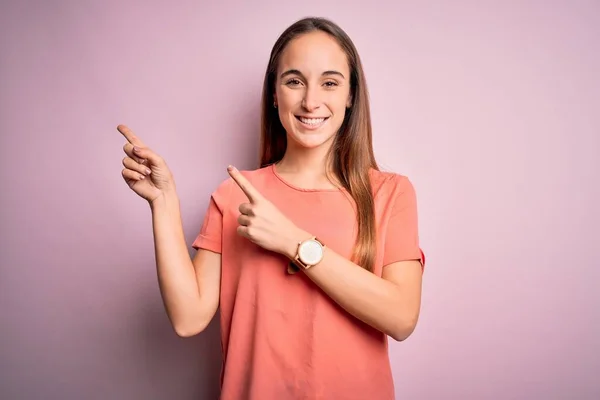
(403, 328)
(188, 330)
(192, 322)
(400, 336)
(186, 333)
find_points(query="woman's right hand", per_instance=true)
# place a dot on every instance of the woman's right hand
(145, 172)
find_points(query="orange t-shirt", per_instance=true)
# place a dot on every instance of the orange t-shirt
(282, 337)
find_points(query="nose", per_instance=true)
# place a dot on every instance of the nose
(311, 100)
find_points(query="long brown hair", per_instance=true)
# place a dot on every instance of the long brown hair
(351, 154)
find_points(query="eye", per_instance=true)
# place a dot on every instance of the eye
(330, 84)
(293, 82)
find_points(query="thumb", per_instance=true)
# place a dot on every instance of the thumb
(146, 153)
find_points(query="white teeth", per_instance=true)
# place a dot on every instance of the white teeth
(312, 121)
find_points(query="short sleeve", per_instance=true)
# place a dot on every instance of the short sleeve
(211, 231)
(402, 235)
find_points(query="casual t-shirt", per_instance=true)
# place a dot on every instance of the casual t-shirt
(282, 337)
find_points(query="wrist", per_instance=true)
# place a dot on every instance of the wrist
(165, 199)
(292, 241)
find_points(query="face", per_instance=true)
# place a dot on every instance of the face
(312, 89)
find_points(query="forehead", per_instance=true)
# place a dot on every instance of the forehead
(313, 53)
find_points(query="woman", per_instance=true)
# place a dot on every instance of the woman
(314, 257)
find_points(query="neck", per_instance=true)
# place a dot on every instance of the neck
(311, 162)
(307, 167)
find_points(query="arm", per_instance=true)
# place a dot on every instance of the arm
(390, 304)
(189, 289)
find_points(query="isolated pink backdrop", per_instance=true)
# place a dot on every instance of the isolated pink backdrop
(491, 108)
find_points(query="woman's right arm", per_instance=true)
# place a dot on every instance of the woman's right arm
(189, 288)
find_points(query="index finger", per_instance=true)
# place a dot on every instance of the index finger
(249, 190)
(130, 136)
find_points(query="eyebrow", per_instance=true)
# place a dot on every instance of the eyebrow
(297, 72)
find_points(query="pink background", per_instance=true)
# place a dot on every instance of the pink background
(491, 108)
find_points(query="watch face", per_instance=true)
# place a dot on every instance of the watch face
(310, 252)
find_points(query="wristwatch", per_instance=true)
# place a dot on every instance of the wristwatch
(310, 252)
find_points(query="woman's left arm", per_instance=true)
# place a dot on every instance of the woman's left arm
(390, 304)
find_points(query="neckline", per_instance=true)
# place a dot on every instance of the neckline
(299, 189)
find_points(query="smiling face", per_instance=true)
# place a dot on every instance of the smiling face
(312, 89)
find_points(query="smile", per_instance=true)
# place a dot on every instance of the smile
(312, 123)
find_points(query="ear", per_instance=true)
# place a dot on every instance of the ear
(275, 99)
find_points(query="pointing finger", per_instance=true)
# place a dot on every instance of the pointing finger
(249, 190)
(130, 136)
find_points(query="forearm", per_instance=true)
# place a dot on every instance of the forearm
(378, 302)
(175, 270)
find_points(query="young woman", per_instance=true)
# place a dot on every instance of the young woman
(313, 258)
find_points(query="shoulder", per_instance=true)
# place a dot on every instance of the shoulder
(390, 183)
(228, 189)
(392, 191)
(259, 177)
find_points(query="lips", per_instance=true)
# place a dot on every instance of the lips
(312, 122)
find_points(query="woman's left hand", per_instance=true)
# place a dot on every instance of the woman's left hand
(262, 223)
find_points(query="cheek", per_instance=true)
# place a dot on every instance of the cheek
(289, 101)
(339, 101)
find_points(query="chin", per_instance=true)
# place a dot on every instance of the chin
(309, 142)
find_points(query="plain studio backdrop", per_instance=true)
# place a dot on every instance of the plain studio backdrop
(492, 109)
